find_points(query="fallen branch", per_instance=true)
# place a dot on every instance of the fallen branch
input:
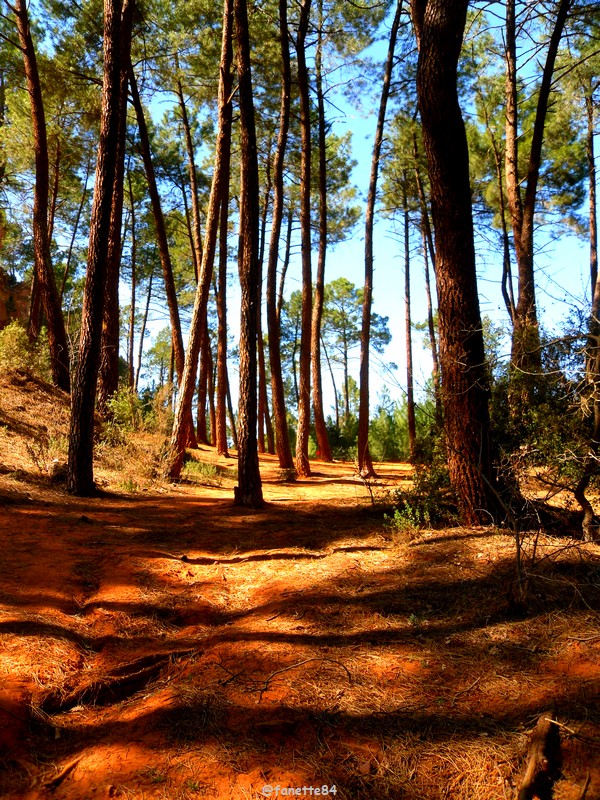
(299, 664)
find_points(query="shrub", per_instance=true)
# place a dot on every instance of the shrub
(429, 502)
(126, 409)
(17, 351)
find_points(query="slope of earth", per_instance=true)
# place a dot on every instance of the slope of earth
(166, 644)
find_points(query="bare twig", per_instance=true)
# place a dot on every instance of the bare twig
(299, 664)
(464, 691)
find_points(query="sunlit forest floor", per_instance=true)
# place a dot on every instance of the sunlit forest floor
(158, 642)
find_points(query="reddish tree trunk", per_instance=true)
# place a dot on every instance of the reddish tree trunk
(440, 27)
(44, 291)
(410, 390)
(284, 452)
(108, 378)
(365, 463)
(303, 430)
(249, 489)
(117, 36)
(198, 325)
(526, 354)
(323, 446)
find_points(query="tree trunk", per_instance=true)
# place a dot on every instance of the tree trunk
(335, 391)
(232, 420)
(54, 193)
(138, 368)
(435, 365)
(429, 248)
(323, 446)
(210, 387)
(440, 28)
(526, 357)
(117, 39)
(220, 437)
(263, 410)
(108, 378)
(593, 220)
(45, 282)
(130, 368)
(159, 224)
(203, 379)
(410, 391)
(365, 464)
(284, 451)
(189, 145)
(590, 466)
(303, 430)
(198, 324)
(506, 284)
(75, 231)
(162, 241)
(249, 489)
(286, 260)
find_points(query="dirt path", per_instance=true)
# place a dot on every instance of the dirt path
(174, 646)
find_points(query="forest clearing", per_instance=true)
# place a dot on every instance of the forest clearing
(164, 643)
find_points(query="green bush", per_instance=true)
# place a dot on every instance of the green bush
(17, 351)
(126, 409)
(429, 502)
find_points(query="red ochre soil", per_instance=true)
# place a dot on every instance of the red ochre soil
(167, 644)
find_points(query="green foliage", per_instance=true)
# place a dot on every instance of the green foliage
(158, 409)
(552, 429)
(17, 351)
(343, 437)
(205, 473)
(388, 430)
(126, 409)
(429, 502)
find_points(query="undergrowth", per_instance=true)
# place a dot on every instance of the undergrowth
(428, 502)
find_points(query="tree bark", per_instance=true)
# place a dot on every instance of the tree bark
(365, 463)
(108, 378)
(440, 28)
(138, 368)
(593, 219)
(590, 465)
(162, 242)
(264, 422)
(429, 248)
(526, 357)
(198, 324)
(410, 390)
(220, 437)
(193, 175)
(303, 429)
(74, 234)
(159, 224)
(117, 39)
(45, 281)
(203, 379)
(435, 366)
(248, 492)
(130, 367)
(282, 440)
(323, 446)
(286, 260)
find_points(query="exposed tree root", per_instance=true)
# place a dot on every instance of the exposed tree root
(544, 762)
(125, 681)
